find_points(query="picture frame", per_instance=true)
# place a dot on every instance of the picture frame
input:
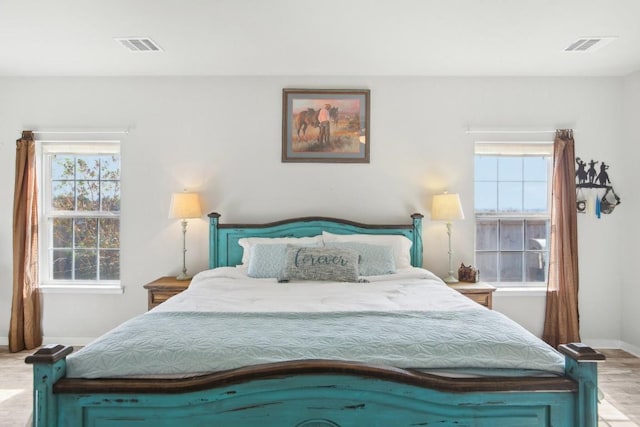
(326, 125)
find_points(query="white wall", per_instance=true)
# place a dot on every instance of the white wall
(222, 137)
(630, 295)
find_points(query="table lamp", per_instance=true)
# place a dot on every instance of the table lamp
(447, 207)
(184, 206)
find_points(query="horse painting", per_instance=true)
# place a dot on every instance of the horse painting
(304, 119)
(333, 114)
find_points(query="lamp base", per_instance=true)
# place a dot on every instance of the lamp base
(450, 279)
(183, 276)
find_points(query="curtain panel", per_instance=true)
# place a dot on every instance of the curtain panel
(561, 323)
(25, 329)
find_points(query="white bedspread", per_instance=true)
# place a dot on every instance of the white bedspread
(229, 289)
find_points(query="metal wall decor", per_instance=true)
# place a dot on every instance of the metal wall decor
(594, 193)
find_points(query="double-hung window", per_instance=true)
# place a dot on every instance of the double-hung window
(80, 216)
(512, 212)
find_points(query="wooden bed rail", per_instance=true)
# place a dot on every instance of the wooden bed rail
(316, 367)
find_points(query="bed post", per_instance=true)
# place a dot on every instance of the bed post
(214, 218)
(581, 366)
(49, 365)
(416, 248)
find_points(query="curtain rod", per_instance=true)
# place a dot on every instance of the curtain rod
(497, 131)
(77, 132)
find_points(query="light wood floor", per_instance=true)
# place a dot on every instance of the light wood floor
(619, 380)
(15, 388)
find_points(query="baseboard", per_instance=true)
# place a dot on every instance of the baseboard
(77, 341)
(608, 344)
(635, 350)
(614, 344)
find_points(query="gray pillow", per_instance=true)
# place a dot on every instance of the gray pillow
(333, 264)
(375, 260)
(267, 260)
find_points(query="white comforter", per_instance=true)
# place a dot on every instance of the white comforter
(229, 289)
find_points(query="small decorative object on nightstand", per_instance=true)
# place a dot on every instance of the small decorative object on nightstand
(480, 292)
(468, 274)
(164, 288)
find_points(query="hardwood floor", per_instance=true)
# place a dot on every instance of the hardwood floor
(619, 381)
(15, 388)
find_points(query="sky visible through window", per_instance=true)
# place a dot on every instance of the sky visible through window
(511, 184)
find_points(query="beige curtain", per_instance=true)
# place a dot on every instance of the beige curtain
(25, 330)
(561, 324)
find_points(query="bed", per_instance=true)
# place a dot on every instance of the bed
(344, 369)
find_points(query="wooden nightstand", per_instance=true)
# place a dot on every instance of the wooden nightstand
(164, 288)
(482, 293)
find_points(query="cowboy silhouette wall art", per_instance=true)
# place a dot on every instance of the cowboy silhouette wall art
(594, 193)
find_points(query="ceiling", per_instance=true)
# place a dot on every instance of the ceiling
(318, 38)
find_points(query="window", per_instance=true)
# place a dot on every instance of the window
(512, 209)
(80, 214)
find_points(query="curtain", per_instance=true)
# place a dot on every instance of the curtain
(561, 324)
(25, 330)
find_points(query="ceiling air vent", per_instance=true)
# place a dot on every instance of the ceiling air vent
(139, 44)
(589, 44)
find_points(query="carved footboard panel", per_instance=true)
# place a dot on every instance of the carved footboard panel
(315, 394)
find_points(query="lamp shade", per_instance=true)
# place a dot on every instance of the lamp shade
(185, 205)
(446, 207)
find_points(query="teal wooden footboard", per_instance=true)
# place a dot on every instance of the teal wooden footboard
(316, 393)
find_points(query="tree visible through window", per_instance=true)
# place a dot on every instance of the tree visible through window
(82, 208)
(512, 212)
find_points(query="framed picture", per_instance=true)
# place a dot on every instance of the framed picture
(325, 126)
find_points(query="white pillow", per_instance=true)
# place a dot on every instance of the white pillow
(249, 242)
(401, 245)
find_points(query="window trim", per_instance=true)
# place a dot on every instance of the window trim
(515, 149)
(529, 289)
(45, 148)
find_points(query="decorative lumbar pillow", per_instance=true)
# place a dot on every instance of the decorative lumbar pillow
(308, 263)
(248, 243)
(401, 244)
(375, 260)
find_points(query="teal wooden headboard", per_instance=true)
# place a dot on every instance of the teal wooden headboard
(224, 249)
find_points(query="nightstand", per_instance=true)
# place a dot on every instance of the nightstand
(164, 288)
(480, 292)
